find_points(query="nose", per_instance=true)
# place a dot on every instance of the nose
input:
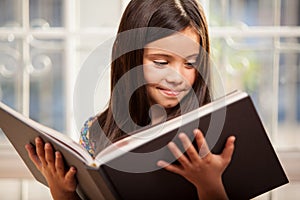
(174, 75)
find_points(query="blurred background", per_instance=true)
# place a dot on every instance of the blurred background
(43, 43)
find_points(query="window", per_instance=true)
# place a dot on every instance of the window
(255, 46)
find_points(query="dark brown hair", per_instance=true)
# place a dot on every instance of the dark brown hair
(173, 15)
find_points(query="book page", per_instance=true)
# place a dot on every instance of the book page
(64, 140)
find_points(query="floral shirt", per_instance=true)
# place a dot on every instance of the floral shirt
(85, 136)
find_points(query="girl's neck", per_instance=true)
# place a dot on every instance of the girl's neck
(157, 114)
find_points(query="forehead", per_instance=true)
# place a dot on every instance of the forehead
(183, 43)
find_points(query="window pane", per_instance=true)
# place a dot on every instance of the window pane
(102, 92)
(288, 88)
(241, 12)
(290, 13)
(99, 13)
(36, 191)
(247, 64)
(10, 13)
(289, 99)
(11, 69)
(10, 189)
(47, 83)
(45, 13)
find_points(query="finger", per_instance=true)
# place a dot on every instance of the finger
(70, 178)
(169, 167)
(59, 164)
(33, 156)
(201, 143)
(49, 155)
(40, 150)
(71, 173)
(228, 150)
(188, 146)
(179, 155)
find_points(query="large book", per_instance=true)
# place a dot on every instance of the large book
(127, 169)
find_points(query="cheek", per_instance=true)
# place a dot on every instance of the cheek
(151, 75)
(190, 77)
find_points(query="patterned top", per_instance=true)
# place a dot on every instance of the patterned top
(85, 136)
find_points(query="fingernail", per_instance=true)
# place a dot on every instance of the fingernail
(171, 144)
(233, 139)
(38, 139)
(161, 163)
(47, 146)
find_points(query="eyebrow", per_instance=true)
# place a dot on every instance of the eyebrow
(158, 54)
(193, 55)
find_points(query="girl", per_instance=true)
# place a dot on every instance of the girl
(175, 68)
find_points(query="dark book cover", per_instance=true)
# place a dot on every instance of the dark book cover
(254, 168)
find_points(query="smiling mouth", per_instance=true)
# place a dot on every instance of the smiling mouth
(168, 92)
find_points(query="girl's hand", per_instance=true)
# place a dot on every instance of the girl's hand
(62, 182)
(202, 168)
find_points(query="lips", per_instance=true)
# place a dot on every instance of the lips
(168, 92)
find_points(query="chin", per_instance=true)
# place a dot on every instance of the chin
(169, 105)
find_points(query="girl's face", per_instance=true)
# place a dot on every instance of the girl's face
(168, 65)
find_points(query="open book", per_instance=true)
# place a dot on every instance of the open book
(127, 169)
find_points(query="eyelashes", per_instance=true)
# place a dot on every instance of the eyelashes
(191, 64)
(161, 63)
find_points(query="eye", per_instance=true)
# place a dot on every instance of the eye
(190, 64)
(160, 62)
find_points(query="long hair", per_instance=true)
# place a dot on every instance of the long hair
(173, 15)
